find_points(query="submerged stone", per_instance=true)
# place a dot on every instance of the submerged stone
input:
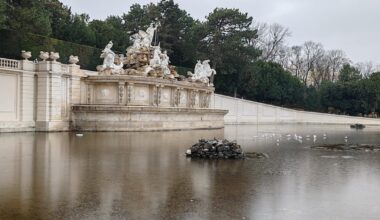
(348, 147)
(357, 126)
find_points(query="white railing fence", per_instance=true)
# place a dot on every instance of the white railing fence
(9, 64)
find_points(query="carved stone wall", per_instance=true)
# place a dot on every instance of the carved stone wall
(146, 91)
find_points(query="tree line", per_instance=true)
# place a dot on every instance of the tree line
(252, 59)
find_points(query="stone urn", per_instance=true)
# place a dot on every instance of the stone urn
(26, 54)
(44, 55)
(54, 56)
(73, 59)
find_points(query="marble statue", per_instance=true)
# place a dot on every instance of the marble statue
(109, 56)
(142, 39)
(165, 58)
(109, 60)
(203, 72)
(197, 70)
(136, 38)
(160, 61)
(147, 36)
(156, 60)
(165, 63)
(207, 70)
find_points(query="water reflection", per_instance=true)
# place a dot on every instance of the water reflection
(146, 176)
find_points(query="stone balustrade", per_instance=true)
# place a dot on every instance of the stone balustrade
(9, 64)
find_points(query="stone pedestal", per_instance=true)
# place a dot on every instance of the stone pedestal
(135, 103)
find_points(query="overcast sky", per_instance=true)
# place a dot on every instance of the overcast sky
(350, 25)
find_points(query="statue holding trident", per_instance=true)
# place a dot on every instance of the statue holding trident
(147, 36)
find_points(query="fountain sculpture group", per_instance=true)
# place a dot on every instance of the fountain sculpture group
(144, 59)
(141, 90)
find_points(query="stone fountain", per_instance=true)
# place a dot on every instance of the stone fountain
(140, 90)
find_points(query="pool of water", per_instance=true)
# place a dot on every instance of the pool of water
(146, 175)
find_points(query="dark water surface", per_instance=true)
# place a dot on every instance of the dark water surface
(147, 176)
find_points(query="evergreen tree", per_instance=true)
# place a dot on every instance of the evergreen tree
(349, 74)
(3, 6)
(28, 16)
(268, 82)
(227, 34)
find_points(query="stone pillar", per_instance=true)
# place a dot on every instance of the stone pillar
(55, 93)
(121, 92)
(49, 95)
(192, 96)
(43, 92)
(129, 95)
(156, 95)
(159, 94)
(89, 93)
(208, 99)
(176, 97)
(204, 99)
(75, 84)
(182, 98)
(27, 91)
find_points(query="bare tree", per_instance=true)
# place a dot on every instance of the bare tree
(312, 53)
(296, 61)
(271, 40)
(367, 68)
(321, 71)
(336, 58)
